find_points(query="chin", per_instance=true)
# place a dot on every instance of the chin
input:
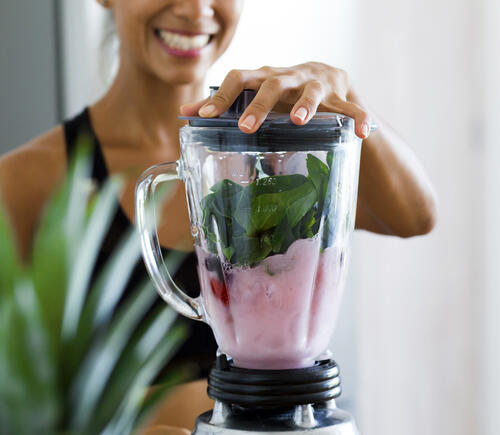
(183, 78)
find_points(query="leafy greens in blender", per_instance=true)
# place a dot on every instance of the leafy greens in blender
(267, 216)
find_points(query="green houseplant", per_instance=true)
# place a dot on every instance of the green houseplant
(72, 359)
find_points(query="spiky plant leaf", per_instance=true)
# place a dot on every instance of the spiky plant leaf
(49, 267)
(9, 260)
(150, 339)
(99, 220)
(128, 412)
(74, 360)
(56, 242)
(108, 289)
(103, 297)
(99, 364)
(79, 187)
(27, 369)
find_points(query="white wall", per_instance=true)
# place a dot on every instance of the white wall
(285, 33)
(417, 298)
(487, 74)
(83, 32)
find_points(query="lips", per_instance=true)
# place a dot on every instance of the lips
(183, 43)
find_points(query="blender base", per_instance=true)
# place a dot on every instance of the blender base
(323, 419)
(295, 401)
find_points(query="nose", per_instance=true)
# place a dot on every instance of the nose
(193, 10)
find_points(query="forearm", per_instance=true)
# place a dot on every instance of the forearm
(395, 194)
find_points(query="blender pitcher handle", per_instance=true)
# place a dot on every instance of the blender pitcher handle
(145, 218)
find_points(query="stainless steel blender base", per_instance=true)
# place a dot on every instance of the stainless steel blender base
(302, 419)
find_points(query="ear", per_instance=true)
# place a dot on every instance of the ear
(105, 3)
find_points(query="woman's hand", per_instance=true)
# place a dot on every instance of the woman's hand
(302, 89)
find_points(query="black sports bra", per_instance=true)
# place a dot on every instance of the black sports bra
(200, 346)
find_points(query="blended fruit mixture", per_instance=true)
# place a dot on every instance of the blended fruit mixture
(279, 314)
(272, 264)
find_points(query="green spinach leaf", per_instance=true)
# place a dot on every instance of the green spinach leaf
(267, 216)
(251, 250)
(282, 237)
(299, 201)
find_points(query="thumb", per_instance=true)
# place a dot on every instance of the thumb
(191, 109)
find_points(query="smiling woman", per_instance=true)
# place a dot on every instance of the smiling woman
(166, 50)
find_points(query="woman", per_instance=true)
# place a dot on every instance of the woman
(166, 48)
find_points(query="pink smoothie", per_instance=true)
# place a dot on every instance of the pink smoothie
(279, 314)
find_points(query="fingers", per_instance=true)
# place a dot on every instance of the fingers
(231, 87)
(305, 108)
(360, 116)
(270, 89)
(192, 108)
(270, 92)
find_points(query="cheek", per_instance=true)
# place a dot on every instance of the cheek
(229, 12)
(132, 17)
(127, 21)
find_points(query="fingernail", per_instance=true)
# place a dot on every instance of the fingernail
(207, 110)
(365, 129)
(249, 122)
(301, 113)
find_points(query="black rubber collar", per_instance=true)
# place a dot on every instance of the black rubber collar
(271, 388)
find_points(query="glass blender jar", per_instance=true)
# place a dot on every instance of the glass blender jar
(271, 216)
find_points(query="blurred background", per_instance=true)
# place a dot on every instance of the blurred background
(418, 341)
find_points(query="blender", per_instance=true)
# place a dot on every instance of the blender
(271, 216)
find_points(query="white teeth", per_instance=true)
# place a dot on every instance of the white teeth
(184, 42)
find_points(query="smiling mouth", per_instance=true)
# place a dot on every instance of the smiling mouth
(184, 42)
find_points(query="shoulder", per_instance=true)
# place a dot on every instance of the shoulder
(40, 160)
(48, 143)
(28, 176)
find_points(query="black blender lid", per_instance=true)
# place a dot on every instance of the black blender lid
(277, 133)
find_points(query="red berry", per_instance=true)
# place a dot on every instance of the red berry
(219, 290)
(319, 277)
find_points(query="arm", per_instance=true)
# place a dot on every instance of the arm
(395, 195)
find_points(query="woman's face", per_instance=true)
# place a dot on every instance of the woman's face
(175, 40)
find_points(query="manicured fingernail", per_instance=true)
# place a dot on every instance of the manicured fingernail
(301, 113)
(248, 122)
(365, 129)
(207, 110)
